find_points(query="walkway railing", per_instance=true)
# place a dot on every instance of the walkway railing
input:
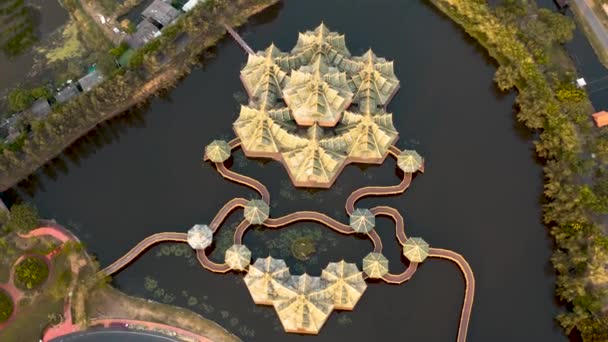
(323, 219)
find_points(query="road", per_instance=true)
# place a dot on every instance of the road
(594, 22)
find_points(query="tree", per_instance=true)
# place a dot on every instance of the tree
(559, 27)
(41, 93)
(506, 77)
(23, 218)
(20, 99)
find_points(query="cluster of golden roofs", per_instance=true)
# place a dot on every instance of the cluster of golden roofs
(304, 302)
(317, 108)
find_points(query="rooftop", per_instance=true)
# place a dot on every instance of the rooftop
(89, 81)
(317, 108)
(40, 108)
(162, 12)
(67, 93)
(146, 31)
(601, 118)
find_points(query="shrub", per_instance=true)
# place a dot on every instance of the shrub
(570, 93)
(6, 306)
(23, 218)
(30, 273)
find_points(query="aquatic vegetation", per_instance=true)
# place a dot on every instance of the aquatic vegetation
(17, 31)
(66, 47)
(177, 250)
(198, 303)
(303, 248)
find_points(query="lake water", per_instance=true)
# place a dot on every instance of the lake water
(480, 195)
(48, 15)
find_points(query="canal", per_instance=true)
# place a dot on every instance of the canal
(480, 195)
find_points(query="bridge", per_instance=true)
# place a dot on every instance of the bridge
(239, 40)
(276, 223)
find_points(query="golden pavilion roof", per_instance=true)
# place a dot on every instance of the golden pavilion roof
(374, 80)
(367, 135)
(410, 161)
(375, 265)
(264, 131)
(262, 77)
(200, 236)
(314, 86)
(314, 163)
(345, 284)
(318, 44)
(256, 211)
(305, 306)
(238, 257)
(317, 94)
(416, 249)
(266, 280)
(218, 151)
(362, 220)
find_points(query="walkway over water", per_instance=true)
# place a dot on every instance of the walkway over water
(276, 223)
(239, 40)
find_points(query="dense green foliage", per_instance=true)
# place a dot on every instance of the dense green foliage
(23, 218)
(20, 99)
(525, 42)
(6, 306)
(30, 273)
(16, 27)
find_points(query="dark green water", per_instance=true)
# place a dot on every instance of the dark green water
(480, 195)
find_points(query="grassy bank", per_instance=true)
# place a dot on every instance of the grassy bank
(153, 68)
(523, 39)
(105, 302)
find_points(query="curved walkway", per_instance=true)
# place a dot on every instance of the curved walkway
(377, 191)
(141, 247)
(396, 217)
(228, 208)
(323, 219)
(244, 180)
(469, 289)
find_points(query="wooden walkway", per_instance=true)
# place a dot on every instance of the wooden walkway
(239, 40)
(276, 223)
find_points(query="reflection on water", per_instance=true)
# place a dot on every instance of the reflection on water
(478, 195)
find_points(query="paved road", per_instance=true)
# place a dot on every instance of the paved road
(114, 335)
(594, 22)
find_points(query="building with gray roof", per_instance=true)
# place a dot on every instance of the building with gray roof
(161, 12)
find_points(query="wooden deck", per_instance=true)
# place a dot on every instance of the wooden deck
(284, 221)
(239, 40)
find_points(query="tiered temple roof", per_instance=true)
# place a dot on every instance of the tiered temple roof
(318, 44)
(375, 79)
(314, 87)
(313, 163)
(262, 77)
(317, 94)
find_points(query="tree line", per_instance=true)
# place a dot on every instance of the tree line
(526, 42)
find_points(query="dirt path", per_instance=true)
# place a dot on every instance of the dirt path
(95, 15)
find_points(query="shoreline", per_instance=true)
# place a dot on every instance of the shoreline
(164, 79)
